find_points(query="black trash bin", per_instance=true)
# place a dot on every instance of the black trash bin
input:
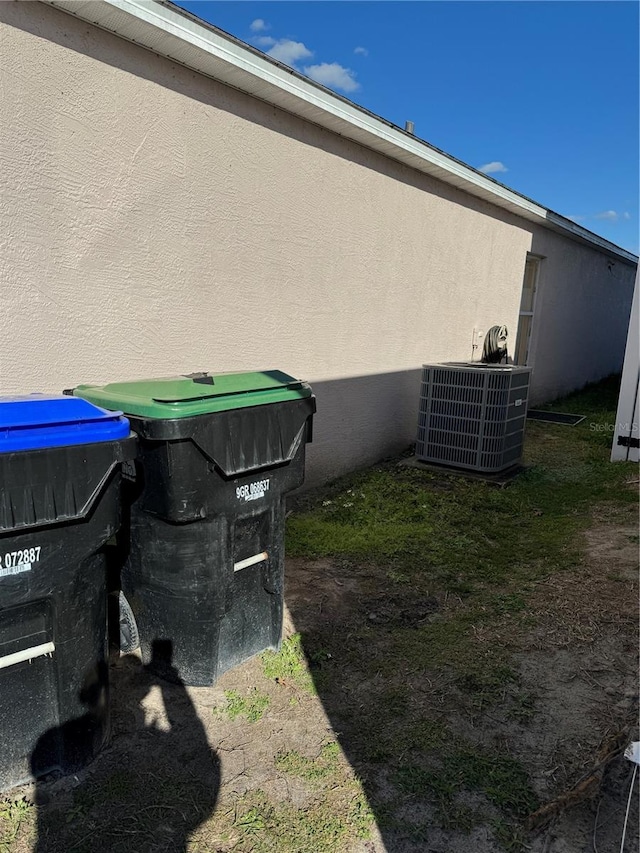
(205, 564)
(59, 504)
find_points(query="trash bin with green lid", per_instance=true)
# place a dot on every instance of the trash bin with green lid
(205, 564)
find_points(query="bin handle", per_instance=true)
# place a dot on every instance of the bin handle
(200, 378)
(27, 654)
(250, 561)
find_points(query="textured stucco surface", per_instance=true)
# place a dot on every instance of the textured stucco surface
(581, 316)
(153, 221)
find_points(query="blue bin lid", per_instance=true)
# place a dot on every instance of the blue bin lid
(37, 421)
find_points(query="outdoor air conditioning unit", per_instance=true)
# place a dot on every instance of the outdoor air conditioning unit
(472, 415)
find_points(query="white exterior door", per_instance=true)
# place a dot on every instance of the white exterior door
(627, 432)
(527, 305)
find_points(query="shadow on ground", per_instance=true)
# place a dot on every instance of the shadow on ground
(149, 790)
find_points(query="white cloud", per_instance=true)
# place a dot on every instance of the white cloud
(361, 51)
(333, 75)
(611, 215)
(258, 26)
(626, 215)
(493, 166)
(264, 41)
(289, 52)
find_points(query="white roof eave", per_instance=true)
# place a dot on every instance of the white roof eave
(173, 33)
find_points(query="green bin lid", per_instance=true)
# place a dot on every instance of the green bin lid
(195, 394)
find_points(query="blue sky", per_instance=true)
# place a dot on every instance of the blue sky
(542, 95)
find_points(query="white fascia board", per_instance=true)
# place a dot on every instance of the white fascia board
(565, 226)
(178, 36)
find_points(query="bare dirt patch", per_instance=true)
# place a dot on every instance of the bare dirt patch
(586, 665)
(181, 773)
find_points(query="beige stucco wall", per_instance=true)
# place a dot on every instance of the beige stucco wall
(153, 221)
(581, 315)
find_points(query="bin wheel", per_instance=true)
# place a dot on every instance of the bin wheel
(129, 638)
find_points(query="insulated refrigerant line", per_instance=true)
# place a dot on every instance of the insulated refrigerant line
(250, 561)
(27, 654)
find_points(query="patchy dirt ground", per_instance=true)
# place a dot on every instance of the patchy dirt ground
(577, 698)
(181, 773)
(583, 654)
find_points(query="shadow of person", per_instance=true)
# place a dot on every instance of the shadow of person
(150, 789)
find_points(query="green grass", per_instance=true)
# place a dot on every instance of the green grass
(509, 835)
(327, 825)
(523, 708)
(336, 813)
(484, 545)
(13, 814)
(473, 536)
(499, 777)
(383, 740)
(289, 665)
(432, 539)
(312, 770)
(251, 707)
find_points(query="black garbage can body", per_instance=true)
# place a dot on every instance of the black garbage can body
(59, 504)
(205, 561)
